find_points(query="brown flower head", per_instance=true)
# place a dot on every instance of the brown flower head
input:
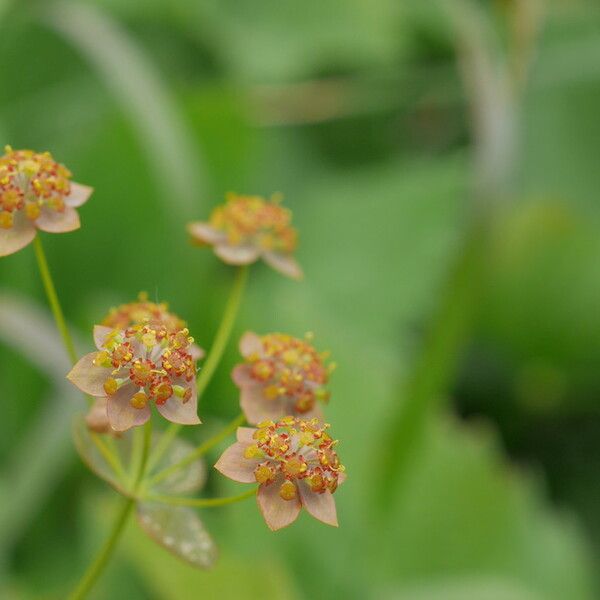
(296, 465)
(281, 375)
(247, 228)
(137, 366)
(36, 192)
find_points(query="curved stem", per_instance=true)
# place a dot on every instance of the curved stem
(97, 567)
(53, 300)
(201, 450)
(202, 502)
(213, 358)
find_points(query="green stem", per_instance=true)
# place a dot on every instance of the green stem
(212, 360)
(53, 300)
(202, 502)
(95, 569)
(110, 456)
(99, 564)
(201, 450)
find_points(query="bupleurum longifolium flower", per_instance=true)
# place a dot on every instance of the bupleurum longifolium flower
(247, 228)
(296, 465)
(281, 375)
(136, 367)
(36, 192)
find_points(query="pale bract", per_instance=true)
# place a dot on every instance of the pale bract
(248, 228)
(295, 463)
(36, 193)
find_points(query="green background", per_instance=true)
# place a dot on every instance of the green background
(355, 111)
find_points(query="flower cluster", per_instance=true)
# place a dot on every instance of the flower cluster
(138, 366)
(296, 465)
(281, 375)
(247, 228)
(36, 192)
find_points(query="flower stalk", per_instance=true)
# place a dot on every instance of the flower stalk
(53, 300)
(99, 564)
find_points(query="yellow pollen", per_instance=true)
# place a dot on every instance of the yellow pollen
(111, 386)
(32, 211)
(294, 466)
(263, 474)
(139, 400)
(252, 451)
(6, 220)
(288, 490)
(102, 359)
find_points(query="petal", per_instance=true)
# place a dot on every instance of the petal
(205, 233)
(88, 377)
(18, 236)
(121, 414)
(250, 343)
(197, 352)
(79, 194)
(244, 435)
(97, 417)
(236, 255)
(257, 408)
(320, 506)
(276, 511)
(286, 264)
(58, 222)
(235, 465)
(241, 376)
(100, 334)
(177, 411)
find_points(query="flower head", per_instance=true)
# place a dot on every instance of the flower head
(144, 312)
(247, 228)
(295, 463)
(281, 375)
(136, 367)
(36, 192)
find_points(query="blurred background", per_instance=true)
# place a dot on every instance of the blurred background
(440, 159)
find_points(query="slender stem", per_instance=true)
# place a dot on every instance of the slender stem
(109, 455)
(201, 450)
(98, 565)
(224, 332)
(53, 300)
(203, 502)
(95, 569)
(213, 358)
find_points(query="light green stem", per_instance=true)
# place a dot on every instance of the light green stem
(53, 300)
(109, 455)
(212, 360)
(202, 502)
(98, 565)
(201, 450)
